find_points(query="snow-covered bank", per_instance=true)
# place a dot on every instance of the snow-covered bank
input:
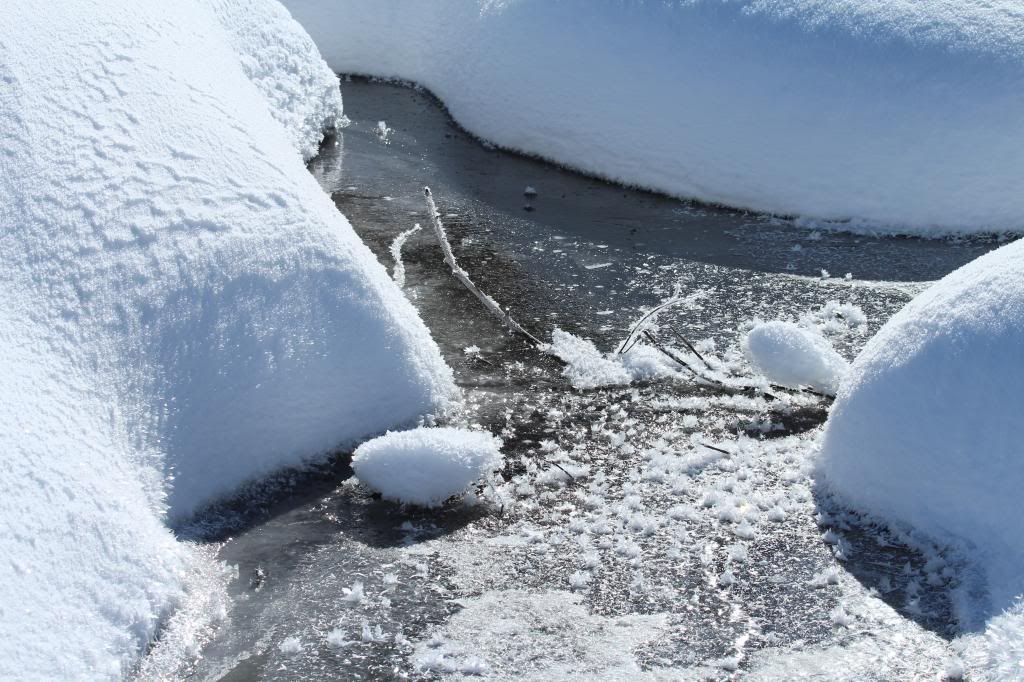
(899, 116)
(926, 429)
(181, 307)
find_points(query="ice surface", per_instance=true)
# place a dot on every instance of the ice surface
(539, 636)
(181, 307)
(926, 430)
(426, 466)
(904, 115)
(794, 356)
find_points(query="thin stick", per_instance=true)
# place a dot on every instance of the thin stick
(675, 358)
(690, 346)
(626, 345)
(463, 276)
(556, 464)
(398, 274)
(720, 385)
(712, 447)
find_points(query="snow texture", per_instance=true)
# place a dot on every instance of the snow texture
(884, 115)
(586, 367)
(926, 429)
(426, 466)
(181, 307)
(790, 355)
(523, 635)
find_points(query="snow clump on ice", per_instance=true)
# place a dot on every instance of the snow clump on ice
(426, 466)
(790, 355)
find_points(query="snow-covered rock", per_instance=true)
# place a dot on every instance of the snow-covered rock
(181, 307)
(793, 356)
(897, 115)
(926, 430)
(426, 466)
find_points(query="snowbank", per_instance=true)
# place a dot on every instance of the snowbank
(793, 356)
(426, 466)
(181, 307)
(926, 428)
(904, 115)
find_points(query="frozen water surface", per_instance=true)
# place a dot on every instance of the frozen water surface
(643, 553)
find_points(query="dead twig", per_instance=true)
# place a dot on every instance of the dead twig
(712, 447)
(463, 276)
(556, 464)
(675, 358)
(633, 336)
(692, 349)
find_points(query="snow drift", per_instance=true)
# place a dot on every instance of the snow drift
(903, 115)
(926, 428)
(426, 466)
(181, 307)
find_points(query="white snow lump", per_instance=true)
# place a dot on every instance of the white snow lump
(426, 466)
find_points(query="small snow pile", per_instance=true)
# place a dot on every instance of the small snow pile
(894, 115)
(585, 365)
(426, 466)
(793, 356)
(926, 430)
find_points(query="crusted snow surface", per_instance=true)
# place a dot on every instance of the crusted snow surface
(182, 308)
(926, 431)
(902, 116)
(794, 356)
(282, 61)
(427, 465)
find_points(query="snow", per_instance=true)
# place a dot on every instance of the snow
(426, 466)
(182, 309)
(585, 365)
(794, 356)
(926, 429)
(540, 636)
(902, 115)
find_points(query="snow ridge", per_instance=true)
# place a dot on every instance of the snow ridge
(883, 115)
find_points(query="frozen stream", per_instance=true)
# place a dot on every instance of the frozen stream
(661, 557)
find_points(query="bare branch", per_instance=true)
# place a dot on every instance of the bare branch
(463, 276)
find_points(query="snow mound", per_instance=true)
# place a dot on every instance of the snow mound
(282, 61)
(903, 115)
(793, 356)
(926, 428)
(426, 466)
(182, 309)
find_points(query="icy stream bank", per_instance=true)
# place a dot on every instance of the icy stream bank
(665, 558)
